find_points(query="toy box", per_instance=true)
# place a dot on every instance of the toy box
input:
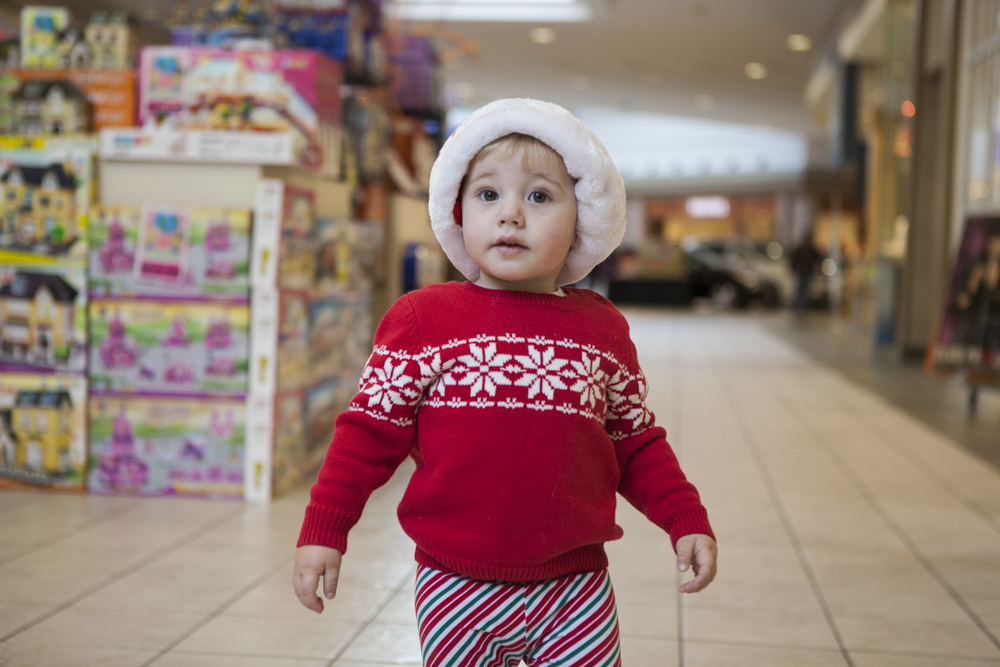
(284, 240)
(323, 402)
(111, 40)
(43, 318)
(169, 348)
(43, 432)
(347, 253)
(199, 88)
(45, 196)
(207, 256)
(279, 354)
(41, 34)
(163, 446)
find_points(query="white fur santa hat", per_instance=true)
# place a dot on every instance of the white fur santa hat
(600, 191)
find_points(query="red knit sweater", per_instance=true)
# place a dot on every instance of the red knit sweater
(524, 413)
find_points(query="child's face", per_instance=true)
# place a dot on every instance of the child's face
(519, 222)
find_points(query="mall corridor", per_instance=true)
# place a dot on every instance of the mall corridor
(849, 533)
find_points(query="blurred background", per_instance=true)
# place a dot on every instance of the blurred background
(207, 205)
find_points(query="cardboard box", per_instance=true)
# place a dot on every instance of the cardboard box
(43, 318)
(41, 33)
(201, 88)
(167, 446)
(279, 352)
(45, 193)
(284, 240)
(173, 348)
(212, 254)
(43, 430)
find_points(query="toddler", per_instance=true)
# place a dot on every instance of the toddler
(521, 402)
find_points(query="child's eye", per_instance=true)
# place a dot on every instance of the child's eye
(539, 197)
(488, 195)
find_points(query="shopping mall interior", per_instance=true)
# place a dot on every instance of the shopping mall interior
(208, 206)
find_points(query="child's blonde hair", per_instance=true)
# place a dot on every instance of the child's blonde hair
(531, 150)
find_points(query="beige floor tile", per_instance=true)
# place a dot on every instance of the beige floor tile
(647, 622)
(916, 638)
(937, 609)
(45, 588)
(268, 637)
(395, 644)
(117, 629)
(638, 652)
(760, 628)
(50, 655)
(13, 616)
(700, 654)
(146, 591)
(351, 604)
(400, 610)
(882, 660)
(749, 595)
(192, 660)
(987, 610)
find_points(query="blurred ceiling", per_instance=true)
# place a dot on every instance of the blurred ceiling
(676, 57)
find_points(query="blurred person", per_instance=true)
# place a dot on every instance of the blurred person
(804, 260)
(978, 301)
(521, 402)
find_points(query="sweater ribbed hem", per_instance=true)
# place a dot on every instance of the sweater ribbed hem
(574, 300)
(326, 527)
(687, 520)
(590, 558)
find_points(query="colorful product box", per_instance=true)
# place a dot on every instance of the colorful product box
(161, 251)
(340, 337)
(346, 254)
(43, 430)
(293, 461)
(200, 88)
(41, 34)
(284, 240)
(323, 402)
(167, 446)
(111, 93)
(169, 348)
(45, 192)
(43, 318)
(279, 355)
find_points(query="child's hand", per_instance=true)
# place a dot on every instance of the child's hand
(701, 552)
(311, 563)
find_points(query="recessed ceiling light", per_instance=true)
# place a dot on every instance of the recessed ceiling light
(799, 43)
(542, 35)
(579, 82)
(756, 71)
(704, 102)
(464, 89)
(533, 11)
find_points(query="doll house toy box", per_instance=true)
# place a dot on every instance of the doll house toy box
(176, 446)
(43, 434)
(163, 348)
(288, 90)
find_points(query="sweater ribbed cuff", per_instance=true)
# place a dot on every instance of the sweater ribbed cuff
(326, 527)
(689, 519)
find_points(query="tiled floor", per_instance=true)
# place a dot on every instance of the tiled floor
(850, 534)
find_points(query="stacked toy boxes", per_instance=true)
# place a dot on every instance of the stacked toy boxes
(311, 332)
(169, 346)
(44, 195)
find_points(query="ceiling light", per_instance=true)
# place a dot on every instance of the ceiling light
(908, 109)
(707, 207)
(542, 35)
(535, 11)
(799, 43)
(704, 102)
(579, 82)
(756, 71)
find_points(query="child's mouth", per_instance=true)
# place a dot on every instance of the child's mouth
(508, 245)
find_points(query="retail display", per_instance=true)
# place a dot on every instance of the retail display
(176, 446)
(271, 91)
(168, 348)
(42, 30)
(132, 253)
(43, 431)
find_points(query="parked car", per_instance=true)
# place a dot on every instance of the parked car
(766, 259)
(727, 281)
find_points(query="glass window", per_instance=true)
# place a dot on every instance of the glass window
(979, 137)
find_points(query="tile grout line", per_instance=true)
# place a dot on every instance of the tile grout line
(70, 531)
(786, 522)
(376, 609)
(223, 606)
(865, 492)
(856, 651)
(134, 567)
(919, 463)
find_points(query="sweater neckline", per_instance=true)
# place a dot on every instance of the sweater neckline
(574, 300)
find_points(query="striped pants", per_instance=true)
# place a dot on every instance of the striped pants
(467, 623)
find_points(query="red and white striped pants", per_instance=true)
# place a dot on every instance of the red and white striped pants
(572, 620)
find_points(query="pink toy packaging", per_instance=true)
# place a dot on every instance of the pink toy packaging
(167, 446)
(209, 260)
(169, 348)
(291, 90)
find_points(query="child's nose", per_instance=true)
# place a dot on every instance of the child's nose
(511, 214)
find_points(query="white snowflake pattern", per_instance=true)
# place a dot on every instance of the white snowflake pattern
(637, 410)
(436, 374)
(589, 379)
(483, 369)
(616, 387)
(540, 372)
(389, 386)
